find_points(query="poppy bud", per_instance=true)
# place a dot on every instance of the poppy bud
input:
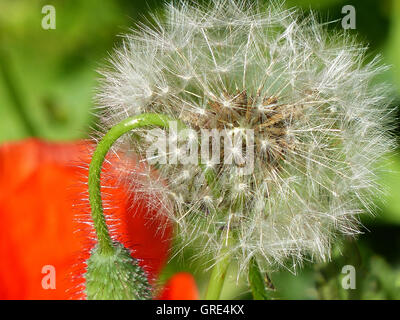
(115, 276)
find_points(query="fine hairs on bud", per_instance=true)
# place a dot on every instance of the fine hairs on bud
(115, 276)
(320, 123)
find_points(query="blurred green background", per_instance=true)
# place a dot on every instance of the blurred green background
(47, 83)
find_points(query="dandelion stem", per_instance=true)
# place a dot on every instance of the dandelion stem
(219, 270)
(105, 243)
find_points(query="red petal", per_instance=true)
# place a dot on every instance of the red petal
(180, 286)
(38, 188)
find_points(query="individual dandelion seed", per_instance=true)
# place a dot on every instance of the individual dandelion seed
(319, 119)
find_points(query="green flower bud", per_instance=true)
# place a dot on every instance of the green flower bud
(115, 276)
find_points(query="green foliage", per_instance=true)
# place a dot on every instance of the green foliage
(315, 4)
(53, 72)
(390, 202)
(258, 283)
(393, 44)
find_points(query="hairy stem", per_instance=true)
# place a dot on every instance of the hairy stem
(104, 240)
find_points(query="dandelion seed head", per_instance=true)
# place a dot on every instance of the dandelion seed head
(320, 125)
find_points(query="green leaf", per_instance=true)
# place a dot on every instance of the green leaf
(258, 282)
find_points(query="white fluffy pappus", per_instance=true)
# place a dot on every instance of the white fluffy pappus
(321, 123)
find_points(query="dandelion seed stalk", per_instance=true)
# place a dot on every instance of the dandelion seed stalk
(218, 273)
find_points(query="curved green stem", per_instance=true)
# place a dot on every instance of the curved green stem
(104, 240)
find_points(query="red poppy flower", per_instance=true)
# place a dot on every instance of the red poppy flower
(38, 189)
